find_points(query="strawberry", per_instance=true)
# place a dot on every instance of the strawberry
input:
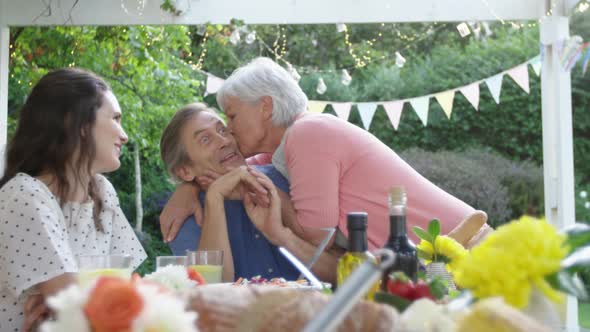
(422, 290)
(401, 288)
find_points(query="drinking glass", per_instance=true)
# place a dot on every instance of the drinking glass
(209, 263)
(90, 267)
(162, 261)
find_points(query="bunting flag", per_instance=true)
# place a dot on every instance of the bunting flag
(494, 84)
(445, 99)
(536, 64)
(394, 111)
(315, 106)
(213, 84)
(342, 110)
(367, 111)
(471, 93)
(520, 75)
(420, 106)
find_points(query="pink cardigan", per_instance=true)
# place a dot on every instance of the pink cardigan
(336, 167)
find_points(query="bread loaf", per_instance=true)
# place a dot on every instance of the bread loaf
(266, 309)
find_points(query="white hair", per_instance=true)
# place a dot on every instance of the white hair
(264, 77)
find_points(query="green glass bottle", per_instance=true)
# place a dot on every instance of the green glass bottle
(406, 260)
(357, 249)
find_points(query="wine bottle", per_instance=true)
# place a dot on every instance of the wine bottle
(357, 253)
(406, 259)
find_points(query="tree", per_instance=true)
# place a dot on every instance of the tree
(143, 65)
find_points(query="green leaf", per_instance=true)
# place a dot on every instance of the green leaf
(422, 234)
(434, 229)
(577, 260)
(395, 301)
(570, 283)
(438, 287)
(577, 235)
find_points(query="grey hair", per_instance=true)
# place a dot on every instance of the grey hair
(264, 77)
(172, 151)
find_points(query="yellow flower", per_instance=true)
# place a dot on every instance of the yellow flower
(513, 259)
(447, 250)
(426, 247)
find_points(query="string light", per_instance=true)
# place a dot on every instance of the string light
(251, 37)
(140, 7)
(400, 61)
(463, 29)
(345, 79)
(282, 38)
(321, 88)
(199, 64)
(234, 38)
(293, 72)
(358, 62)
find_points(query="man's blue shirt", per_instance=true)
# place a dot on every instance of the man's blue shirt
(253, 254)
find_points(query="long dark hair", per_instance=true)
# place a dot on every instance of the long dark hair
(54, 132)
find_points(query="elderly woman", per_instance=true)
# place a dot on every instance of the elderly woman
(334, 167)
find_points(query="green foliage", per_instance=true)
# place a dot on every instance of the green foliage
(153, 245)
(484, 180)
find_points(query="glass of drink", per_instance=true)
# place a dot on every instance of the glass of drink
(162, 261)
(90, 267)
(209, 263)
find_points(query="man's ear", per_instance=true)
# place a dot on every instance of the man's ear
(185, 173)
(267, 107)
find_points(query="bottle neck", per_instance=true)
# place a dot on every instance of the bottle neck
(357, 241)
(397, 226)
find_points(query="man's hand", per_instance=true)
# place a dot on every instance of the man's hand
(36, 311)
(268, 220)
(238, 182)
(183, 203)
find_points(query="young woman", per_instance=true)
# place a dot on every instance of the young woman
(54, 204)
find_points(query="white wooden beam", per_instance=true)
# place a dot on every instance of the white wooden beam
(4, 54)
(131, 12)
(558, 151)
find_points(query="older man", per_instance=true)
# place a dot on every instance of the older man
(195, 143)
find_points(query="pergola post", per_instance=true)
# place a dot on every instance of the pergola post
(558, 159)
(4, 55)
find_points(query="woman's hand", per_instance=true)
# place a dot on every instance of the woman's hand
(36, 312)
(237, 184)
(471, 230)
(183, 203)
(268, 220)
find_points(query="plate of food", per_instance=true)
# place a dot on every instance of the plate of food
(282, 283)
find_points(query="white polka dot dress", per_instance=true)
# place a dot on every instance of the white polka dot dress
(39, 240)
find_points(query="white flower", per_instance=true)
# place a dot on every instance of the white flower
(68, 305)
(174, 277)
(587, 205)
(163, 312)
(583, 194)
(425, 315)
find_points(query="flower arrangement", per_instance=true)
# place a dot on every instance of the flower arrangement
(176, 277)
(434, 247)
(117, 305)
(525, 254)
